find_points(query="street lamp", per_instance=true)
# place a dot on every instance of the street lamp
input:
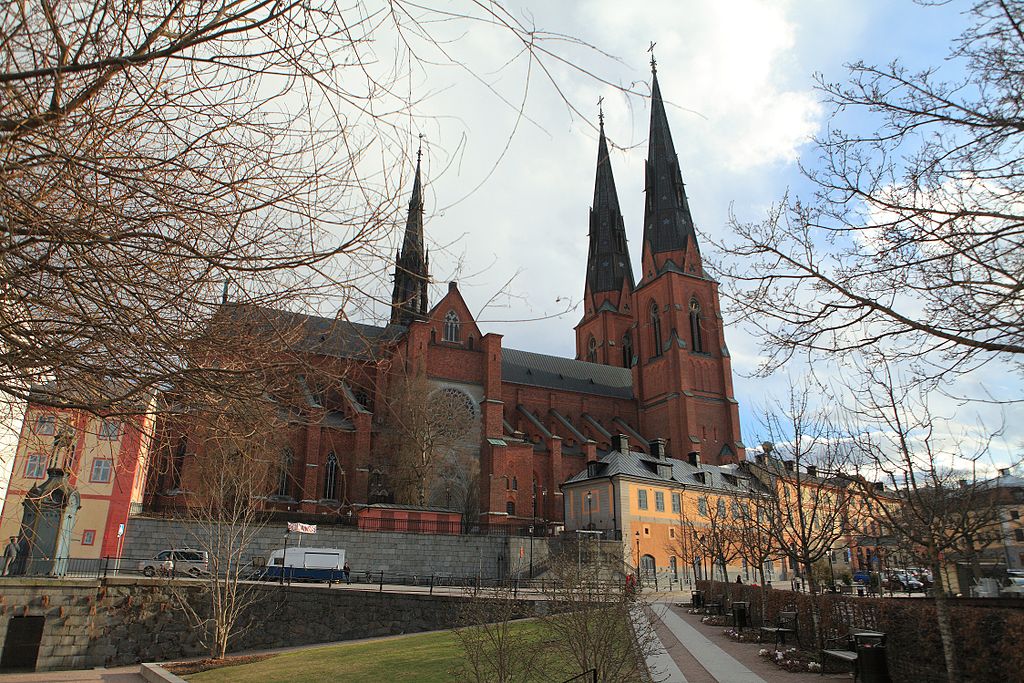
(638, 556)
(590, 510)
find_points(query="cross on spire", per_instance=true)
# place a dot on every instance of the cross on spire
(419, 152)
(600, 110)
(654, 62)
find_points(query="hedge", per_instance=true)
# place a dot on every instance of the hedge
(990, 640)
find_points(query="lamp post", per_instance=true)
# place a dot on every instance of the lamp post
(638, 557)
(590, 510)
(531, 551)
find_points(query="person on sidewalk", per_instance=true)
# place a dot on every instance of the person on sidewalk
(10, 555)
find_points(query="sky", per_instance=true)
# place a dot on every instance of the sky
(508, 188)
(508, 195)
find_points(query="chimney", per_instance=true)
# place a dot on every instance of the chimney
(812, 471)
(788, 465)
(453, 286)
(620, 443)
(759, 458)
(879, 486)
(658, 449)
(693, 457)
(1004, 471)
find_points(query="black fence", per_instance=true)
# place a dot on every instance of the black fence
(358, 578)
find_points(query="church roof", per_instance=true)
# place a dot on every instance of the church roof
(668, 225)
(667, 471)
(313, 333)
(554, 372)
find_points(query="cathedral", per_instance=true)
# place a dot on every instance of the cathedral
(651, 369)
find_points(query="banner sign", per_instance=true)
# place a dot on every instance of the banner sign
(301, 528)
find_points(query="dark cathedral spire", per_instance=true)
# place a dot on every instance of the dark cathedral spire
(668, 225)
(409, 300)
(608, 263)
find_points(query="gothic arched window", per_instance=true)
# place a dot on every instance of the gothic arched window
(451, 327)
(696, 333)
(627, 350)
(284, 473)
(656, 328)
(510, 509)
(592, 349)
(331, 477)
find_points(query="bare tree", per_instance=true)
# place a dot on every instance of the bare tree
(934, 504)
(757, 538)
(912, 244)
(684, 544)
(158, 159)
(227, 490)
(425, 428)
(809, 497)
(598, 624)
(715, 532)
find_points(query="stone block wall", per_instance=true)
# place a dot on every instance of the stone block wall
(117, 622)
(392, 552)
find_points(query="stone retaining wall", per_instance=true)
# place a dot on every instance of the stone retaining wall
(116, 622)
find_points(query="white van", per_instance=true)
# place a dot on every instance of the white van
(309, 564)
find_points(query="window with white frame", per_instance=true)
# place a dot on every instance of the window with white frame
(46, 424)
(702, 506)
(659, 501)
(641, 499)
(676, 503)
(110, 430)
(101, 470)
(35, 466)
(451, 327)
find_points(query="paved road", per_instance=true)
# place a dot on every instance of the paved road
(125, 674)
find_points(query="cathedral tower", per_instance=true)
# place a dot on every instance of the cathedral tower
(604, 335)
(409, 300)
(683, 376)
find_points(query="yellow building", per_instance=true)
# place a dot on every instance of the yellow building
(107, 459)
(668, 513)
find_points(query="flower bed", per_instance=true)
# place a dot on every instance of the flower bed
(792, 659)
(749, 635)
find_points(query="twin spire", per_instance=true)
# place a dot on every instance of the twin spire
(668, 226)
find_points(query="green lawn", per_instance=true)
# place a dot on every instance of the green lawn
(427, 657)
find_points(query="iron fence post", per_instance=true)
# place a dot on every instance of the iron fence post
(381, 581)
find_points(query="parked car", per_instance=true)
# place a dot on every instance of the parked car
(181, 561)
(1015, 589)
(862, 576)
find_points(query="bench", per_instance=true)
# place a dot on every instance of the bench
(716, 608)
(784, 625)
(850, 654)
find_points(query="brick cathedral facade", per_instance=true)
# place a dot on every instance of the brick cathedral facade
(651, 364)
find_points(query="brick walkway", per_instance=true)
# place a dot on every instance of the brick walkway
(697, 653)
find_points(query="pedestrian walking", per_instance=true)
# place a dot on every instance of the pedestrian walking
(347, 571)
(10, 555)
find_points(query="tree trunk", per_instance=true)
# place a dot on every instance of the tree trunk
(815, 617)
(945, 628)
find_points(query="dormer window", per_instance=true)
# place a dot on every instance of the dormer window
(451, 327)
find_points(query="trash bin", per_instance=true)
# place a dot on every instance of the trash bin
(740, 615)
(871, 662)
(697, 599)
(860, 591)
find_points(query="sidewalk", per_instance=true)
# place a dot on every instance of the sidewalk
(699, 653)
